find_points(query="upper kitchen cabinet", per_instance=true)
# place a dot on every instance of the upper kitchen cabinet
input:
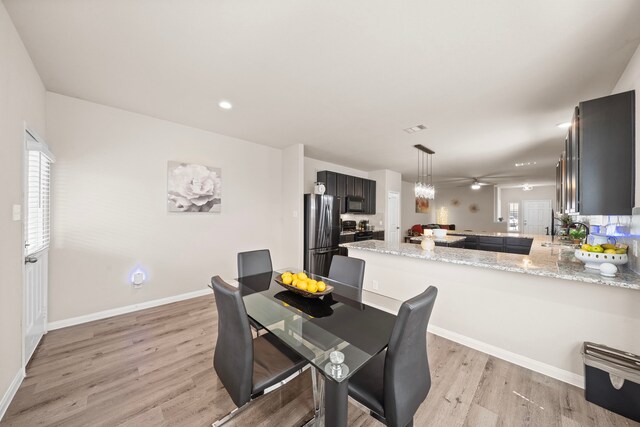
(595, 174)
(606, 155)
(343, 186)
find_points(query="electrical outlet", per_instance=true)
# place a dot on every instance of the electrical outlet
(375, 285)
(295, 214)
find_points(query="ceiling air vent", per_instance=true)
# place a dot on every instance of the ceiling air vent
(414, 129)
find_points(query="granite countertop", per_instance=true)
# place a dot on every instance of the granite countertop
(555, 261)
(491, 234)
(445, 239)
(346, 233)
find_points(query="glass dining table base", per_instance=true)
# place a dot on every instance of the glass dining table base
(331, 401)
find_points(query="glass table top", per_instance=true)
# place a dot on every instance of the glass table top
(337, 333)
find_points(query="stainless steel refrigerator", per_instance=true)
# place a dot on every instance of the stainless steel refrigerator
(321, 232)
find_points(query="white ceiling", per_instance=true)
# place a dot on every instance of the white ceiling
(490, 79)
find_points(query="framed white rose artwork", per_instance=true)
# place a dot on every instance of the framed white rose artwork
(193, 188)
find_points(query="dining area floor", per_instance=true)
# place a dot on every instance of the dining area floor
(154, 368)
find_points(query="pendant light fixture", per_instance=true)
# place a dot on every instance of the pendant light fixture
(424, 188)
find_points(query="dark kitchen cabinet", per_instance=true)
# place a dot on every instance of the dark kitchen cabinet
(330, 182)
(493, 244)
(351, 184)
(365, 193)
(471, 242)
(347, 238)
(343, 186)
(341, 191)
(358, 187)
(607, 155)
(371, 197)
(378, 235)
(596, 171)
(517, 245)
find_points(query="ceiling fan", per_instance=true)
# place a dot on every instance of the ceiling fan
(476, 185)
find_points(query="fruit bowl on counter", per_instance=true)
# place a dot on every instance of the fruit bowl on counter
(594, 255)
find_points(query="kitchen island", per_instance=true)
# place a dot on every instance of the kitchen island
(533, 310)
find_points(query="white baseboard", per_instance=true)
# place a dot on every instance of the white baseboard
(58, 324)
(517, 359)
(11, 392)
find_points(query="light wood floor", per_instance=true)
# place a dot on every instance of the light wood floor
(154, 368)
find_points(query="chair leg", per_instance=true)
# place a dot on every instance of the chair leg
(230, 416)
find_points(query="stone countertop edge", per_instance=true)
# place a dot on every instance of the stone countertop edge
(555, 262)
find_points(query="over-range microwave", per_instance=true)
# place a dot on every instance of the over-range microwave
(355, 204)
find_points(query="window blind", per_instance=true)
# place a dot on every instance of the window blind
(38, 202)
(514, 220)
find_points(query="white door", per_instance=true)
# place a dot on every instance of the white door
(37, 183)
(537, 216)
(392, 234)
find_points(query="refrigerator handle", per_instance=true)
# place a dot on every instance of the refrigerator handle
(327, 252)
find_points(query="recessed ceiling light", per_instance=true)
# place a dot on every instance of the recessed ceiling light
(564, 125)
(525, 164)
(225, 105)
(414, 129)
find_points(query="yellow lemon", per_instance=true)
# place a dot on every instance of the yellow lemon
(286, 273)
(312, 287)
(295, 277)
(586, 247)
(295, 282)
(302, 285)
(302, 275)
(597, 249)
(287, 280)
(312, 282)
(609, 251)
(321, 286)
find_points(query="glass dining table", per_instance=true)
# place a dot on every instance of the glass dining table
(337, 333)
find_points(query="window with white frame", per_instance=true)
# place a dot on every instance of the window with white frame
(38, 197)
(514, 218)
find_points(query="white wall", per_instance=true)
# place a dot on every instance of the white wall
(461, 215)
(110, 214)
(292, 206)
(22, 99)
(630, 80)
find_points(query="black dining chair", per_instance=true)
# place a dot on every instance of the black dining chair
(347, 270)
(254, 264)
(393, 384)
(247, 366)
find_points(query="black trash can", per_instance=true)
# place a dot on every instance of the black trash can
(612, 379)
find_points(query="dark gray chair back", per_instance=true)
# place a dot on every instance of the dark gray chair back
(254, 262)
(347, 270)
(233, 358)
(406, 371)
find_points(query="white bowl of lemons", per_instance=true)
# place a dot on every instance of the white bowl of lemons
(594, 255)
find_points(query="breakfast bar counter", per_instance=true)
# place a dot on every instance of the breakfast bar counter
(534, 310)
(550, 261)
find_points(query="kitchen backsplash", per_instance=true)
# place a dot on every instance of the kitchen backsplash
(625, 229)
(376, 220)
